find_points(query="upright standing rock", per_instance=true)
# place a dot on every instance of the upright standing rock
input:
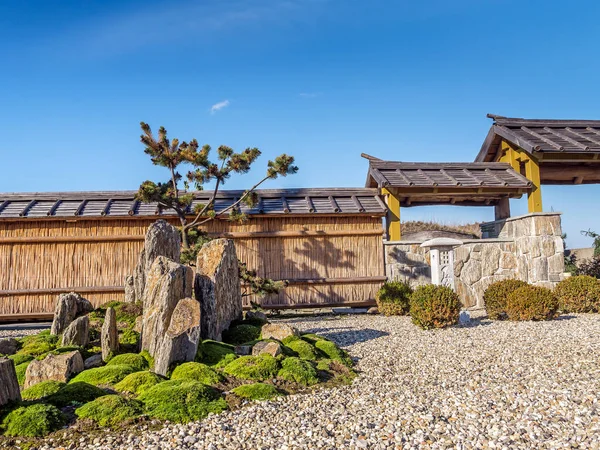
(129, 289)
(180, 343)
(167, 282)
(77, 333)
(109, 337)
(217, 287)
(162, 239)
(9, 386)
(53, 367)
(68, 307)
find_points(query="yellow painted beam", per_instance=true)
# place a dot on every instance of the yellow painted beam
(393, 217)
(516, 157)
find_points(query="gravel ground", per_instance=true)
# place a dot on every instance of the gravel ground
(19, 330)
(489, 385)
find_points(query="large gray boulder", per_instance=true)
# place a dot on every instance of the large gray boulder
(8, 346)
(68, 307)
(53, 367)
(180, 343)
(9, 386)
(167, 283)
(77, 333)
(162, 239)
(109, 336)
(217, 287)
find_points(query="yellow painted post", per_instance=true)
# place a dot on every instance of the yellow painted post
(515, 157)
(393, 217)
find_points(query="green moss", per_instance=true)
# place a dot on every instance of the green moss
(239, 334)
(213, 352)
(257, 368)
(226, 360)
(42, 390)
(104, 375)
(148, 357)
(257, 391)
(38, 344)
(313, 338)
(334, 352)
(299, 371)
(129, 339)
(138, 382)
(301, 347)
(20, 359)
(337, 372)
(33, 421)
(75, 393)
(21, 369)
(182, 401)
(58, 351)
(324, 364)
(138, 362)
(126, 313)
(110, 410)
(196, 371)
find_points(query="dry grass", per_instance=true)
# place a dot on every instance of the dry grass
(418, 226)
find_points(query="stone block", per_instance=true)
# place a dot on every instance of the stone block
(546, 225)
(490, 260)
(508, 261)
(53, 367)
(556, 263)
(472, 272)
(539, 270)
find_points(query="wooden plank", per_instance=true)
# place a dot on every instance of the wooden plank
(26, 317)
(27, 208)
(334, 204)
(54, 208)
(51, 291)
(79, 209)
(364, 304)
(65, 239)
(357, 203)
(106, 207)
(133, 207)
(567, 138)
(550, 142)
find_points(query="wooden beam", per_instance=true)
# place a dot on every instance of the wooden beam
(502, 209)
(534, 198)
(393, 216)
(52, 291)
(578, 180)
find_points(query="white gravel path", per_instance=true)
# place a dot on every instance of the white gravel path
(492, 385)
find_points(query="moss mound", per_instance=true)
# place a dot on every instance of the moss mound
(298, 371)
(196, 371)
(212, 353)
(138, 382)
(75, 393)
(21, 369)
(580, 294)
(312, 338)
(138, 362)
(42, 390)
(495, 297)
(104, 375)
(434, 307)
(38, 344)
(149, 358)
(393, 299)
(532, 303)
(126, 313)
(129, 339)
(332, 351)
(257, 368)
(33, 421)
(20, 359)
(110, 410)
(182, 401)
(300, 347)
(257, 391)
(239, 334)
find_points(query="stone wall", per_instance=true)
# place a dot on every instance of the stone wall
(529, 248)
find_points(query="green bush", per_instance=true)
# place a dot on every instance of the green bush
(129, 339)
(301, 348)
(138, 362)
(299, 371)
(196, 371)
(182, 401)
(580, 294)
(38, 344)
(257, 368)
(434, 307)
(240, 334)
(138, 382)
(75, 394)
(42, 390)
(212, 353)
(256, 391)
(21, 369)
(495, 297)
(104, 375)
(393, 299)
(532, 303)
(332, 351)
(33, 421)
(20, 358)
(110, 410)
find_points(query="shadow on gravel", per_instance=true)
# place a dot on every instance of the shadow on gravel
(566, 317)
(477, 322)
(349, 337)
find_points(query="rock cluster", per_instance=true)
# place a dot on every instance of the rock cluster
(68, 307)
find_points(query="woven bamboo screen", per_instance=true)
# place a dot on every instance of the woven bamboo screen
(328, 260)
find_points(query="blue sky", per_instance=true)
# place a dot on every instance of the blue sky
(321, 80)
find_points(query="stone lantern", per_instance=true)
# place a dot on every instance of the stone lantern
(441, 254)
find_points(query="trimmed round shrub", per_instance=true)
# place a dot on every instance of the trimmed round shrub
(256, 391)
(196, 371)
(298, 371)
(332, 351)
(20, 358)
(301, 348)
(182, 401)
(138, 382)
(138, 362)
(42, 390)
(434, 307)
(213, 352)
(495, 297)
(110, 410)
(257, 368)
(532, 303)
(580, 294)
(33, 421)
(393, 298)
(74, 394)
(104, 375)
(21, 369)
(240, 334)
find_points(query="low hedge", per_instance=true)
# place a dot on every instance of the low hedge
(393, 299)
(495, 297)
(580, 294)
(532, 303)
(434, 307)
(33, 421)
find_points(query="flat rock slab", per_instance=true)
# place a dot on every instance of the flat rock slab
(53, 367)
(278, 331)
(267, 347)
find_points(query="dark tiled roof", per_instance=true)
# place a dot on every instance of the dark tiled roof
(122, 203)
(444, 175)
(537, 135)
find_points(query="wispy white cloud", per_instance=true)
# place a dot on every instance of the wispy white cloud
(219, 106)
